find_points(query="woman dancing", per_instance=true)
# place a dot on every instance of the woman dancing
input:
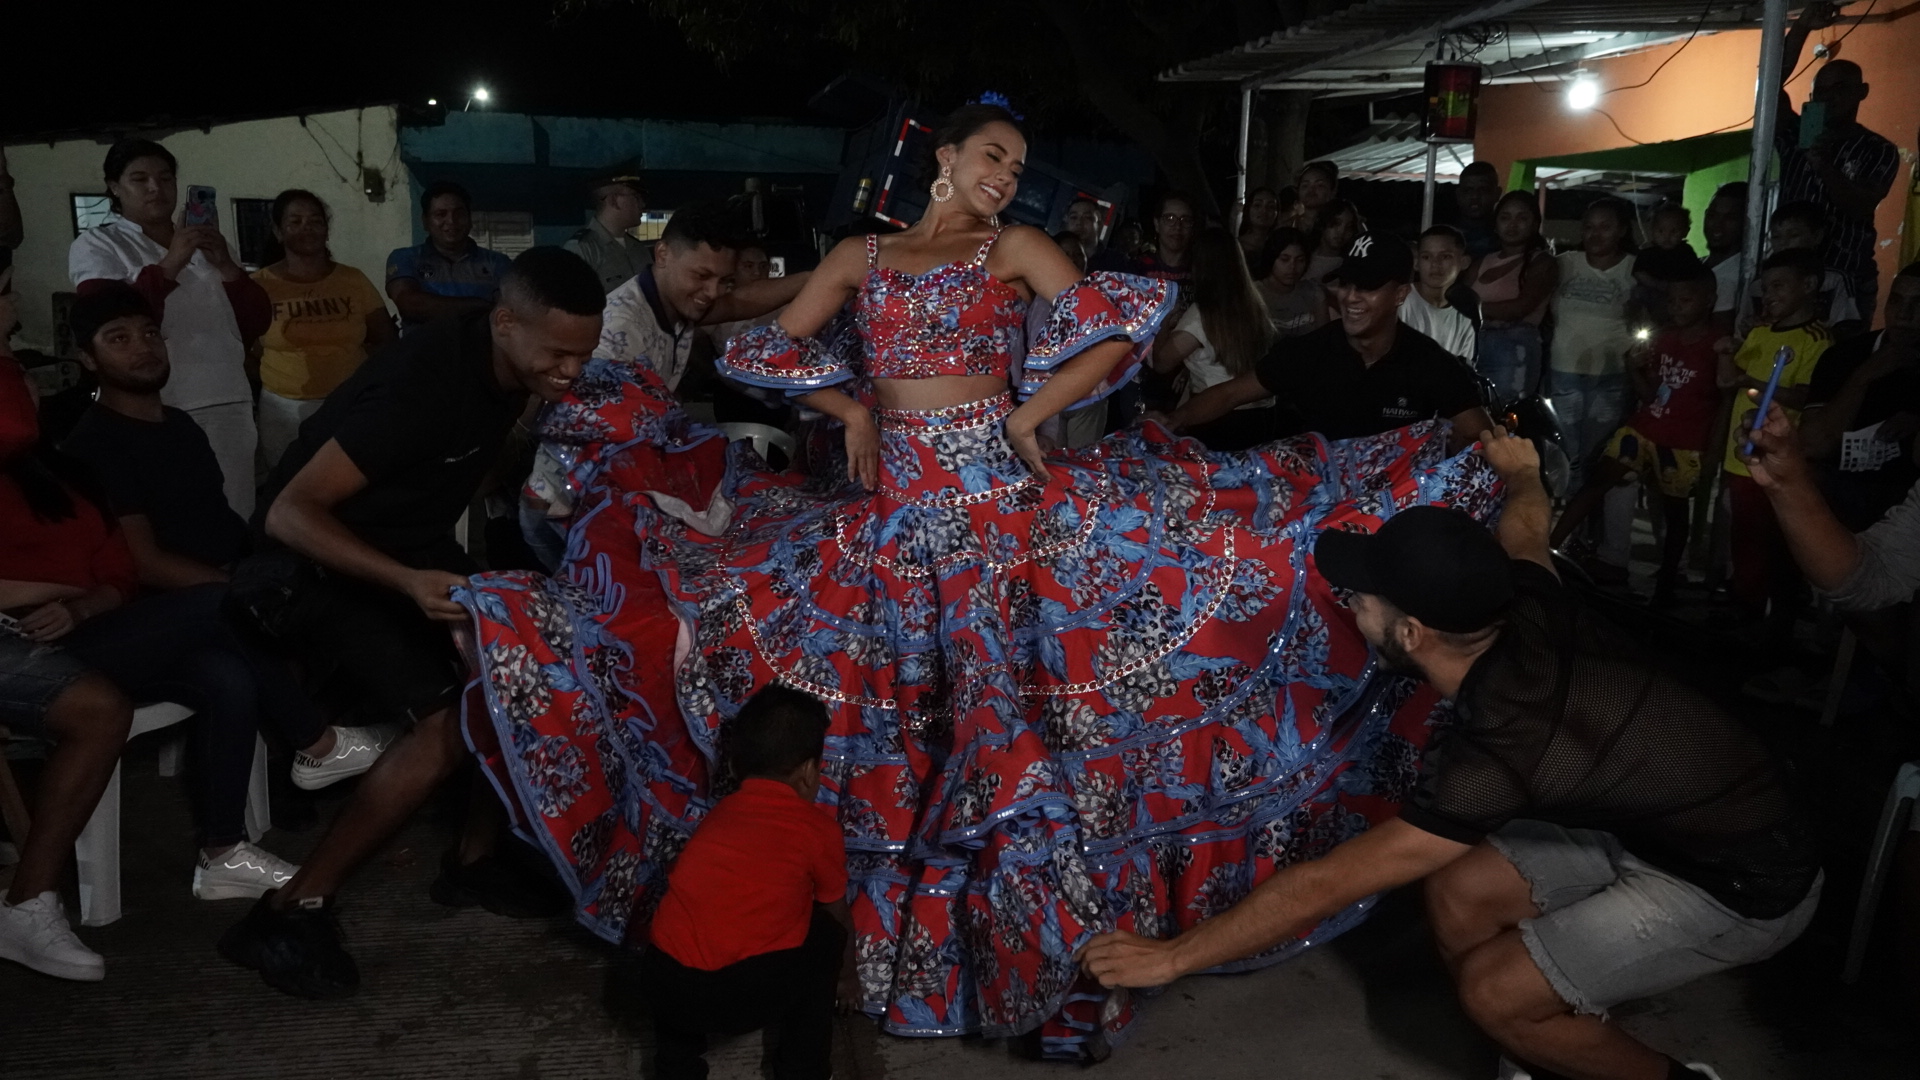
(1070, 691)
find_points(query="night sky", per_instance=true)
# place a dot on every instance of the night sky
(215, 58)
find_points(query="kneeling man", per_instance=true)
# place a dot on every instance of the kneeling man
(1591, 830)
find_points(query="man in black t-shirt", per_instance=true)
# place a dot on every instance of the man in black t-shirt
(1366, 373)
(1869, 380)
(370, 493)
(154, 464)
(1591, 830)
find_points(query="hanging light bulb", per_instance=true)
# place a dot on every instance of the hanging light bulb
(1584, 92)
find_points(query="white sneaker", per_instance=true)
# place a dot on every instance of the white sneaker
(35, 933)
(355, 749)
(244, 871)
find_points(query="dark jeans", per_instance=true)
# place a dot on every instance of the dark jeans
(177, 646)
(789, 992)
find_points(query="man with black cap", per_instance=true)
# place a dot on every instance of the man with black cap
(1591, 830)
(1361, 375)
(605, 243)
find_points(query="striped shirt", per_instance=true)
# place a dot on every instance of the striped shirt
(1864, 159)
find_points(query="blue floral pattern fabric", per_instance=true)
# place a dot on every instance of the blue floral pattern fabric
(1119, 696)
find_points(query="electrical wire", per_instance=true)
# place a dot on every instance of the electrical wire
(324, 156)
(1698, 23)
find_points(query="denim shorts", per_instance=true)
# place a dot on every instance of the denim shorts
(32, 675)
(1612, 928)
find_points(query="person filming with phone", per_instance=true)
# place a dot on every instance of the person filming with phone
(1829, 159)
(209, 308)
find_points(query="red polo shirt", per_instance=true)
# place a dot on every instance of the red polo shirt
(747, 881)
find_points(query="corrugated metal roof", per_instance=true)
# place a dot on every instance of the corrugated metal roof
(1393, 150)
(1383, 44)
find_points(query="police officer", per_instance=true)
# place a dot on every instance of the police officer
(605, 243)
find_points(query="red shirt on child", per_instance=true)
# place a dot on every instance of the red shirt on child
(748, 879)
(1680, 416)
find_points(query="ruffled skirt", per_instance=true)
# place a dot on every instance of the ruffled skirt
(1119, 697)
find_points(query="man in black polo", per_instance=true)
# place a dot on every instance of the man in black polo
(1362, 375)
(1591, 830)
(362, 509)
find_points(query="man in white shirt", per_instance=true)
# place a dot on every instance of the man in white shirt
(1441, 256)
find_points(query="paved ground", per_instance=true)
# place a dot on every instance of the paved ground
(465, 994)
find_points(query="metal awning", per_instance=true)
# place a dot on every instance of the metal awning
(1393, 150)
(1382, 46)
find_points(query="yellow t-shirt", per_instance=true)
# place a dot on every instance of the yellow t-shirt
(319, 331)
(1755, 360)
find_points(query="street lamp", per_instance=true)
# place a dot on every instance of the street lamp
(1584, 92)
(480, 94)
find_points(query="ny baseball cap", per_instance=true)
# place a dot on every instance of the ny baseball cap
(1375, 259)
(1436, 564)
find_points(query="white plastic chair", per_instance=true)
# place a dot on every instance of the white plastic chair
(1893, 821)
(763, 438)
(98, 849)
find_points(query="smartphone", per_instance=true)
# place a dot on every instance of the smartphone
(1766, 396)
(201, 208)
(1813, 123)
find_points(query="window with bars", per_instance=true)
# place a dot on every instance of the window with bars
(90, 211)
(253, 227)
(508, 232)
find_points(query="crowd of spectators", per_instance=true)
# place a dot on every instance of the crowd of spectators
(256, 514)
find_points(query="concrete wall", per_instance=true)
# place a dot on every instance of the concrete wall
(255, 159)
(1709, 87)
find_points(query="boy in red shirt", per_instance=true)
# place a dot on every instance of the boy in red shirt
(1677, 380)
(752, 929)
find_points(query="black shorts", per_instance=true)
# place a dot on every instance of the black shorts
(401, 663)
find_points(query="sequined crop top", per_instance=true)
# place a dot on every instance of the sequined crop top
(956, 319)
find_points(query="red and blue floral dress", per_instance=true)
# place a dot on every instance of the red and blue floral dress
(1118, 697)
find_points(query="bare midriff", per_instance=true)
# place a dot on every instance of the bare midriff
(937, 392)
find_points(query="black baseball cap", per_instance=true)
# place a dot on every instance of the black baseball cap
(1375, 259)
(1436, 564)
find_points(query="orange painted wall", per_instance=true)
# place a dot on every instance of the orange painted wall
(1708, 87)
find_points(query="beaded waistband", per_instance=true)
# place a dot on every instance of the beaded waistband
(969, 414)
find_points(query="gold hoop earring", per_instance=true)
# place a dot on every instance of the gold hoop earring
(945, 179)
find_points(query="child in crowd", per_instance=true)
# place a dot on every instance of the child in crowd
(751, 931)
(1802, 226)
(1763, 570)
(1334, 228)
(1296, 303)
(1218, 338)
(1587, 377)
(1676, 379)
(1514, 285)
(1438, 260)
(1667, 259)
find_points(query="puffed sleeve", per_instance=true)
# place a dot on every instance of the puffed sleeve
(1101, 306)
(768, 357)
